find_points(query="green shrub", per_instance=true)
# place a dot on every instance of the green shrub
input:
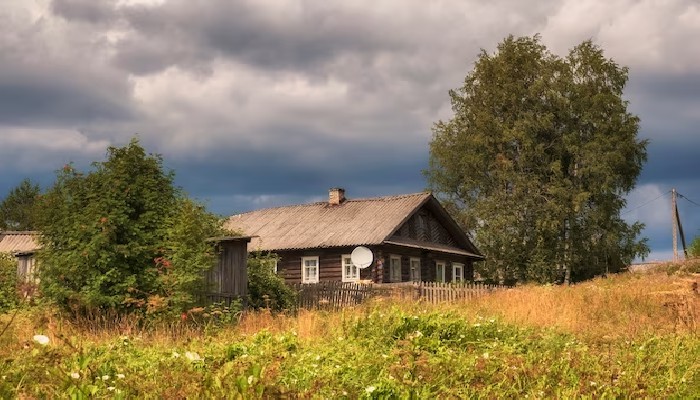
(266, 289)
(8, 282)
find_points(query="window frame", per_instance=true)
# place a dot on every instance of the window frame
(343, 264)
(455, 267)
(393, 257)
(440, 272)
(413, 274)
(304, 275)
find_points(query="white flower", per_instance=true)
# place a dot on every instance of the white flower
(418, 334)
(111, 388)
(120, 376)
(75, 375)
(105, 377)
(192, 356)
(250, 379)
(485, 355)
(176, 354)
(41, 339)
(370, 389)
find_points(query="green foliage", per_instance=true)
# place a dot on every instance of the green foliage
(17, 211)
(187, 254)
(694, 248)
(266, 289)
(122, 236)
(386, 353)
(8, 282)
(537, 159)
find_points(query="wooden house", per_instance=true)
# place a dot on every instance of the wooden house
(22, 245)
(412, 238)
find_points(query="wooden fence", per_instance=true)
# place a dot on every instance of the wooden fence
(336, 295)
(434, 292)
(333, 295)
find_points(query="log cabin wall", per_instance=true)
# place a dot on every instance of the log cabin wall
(330, 264)
(428, 260)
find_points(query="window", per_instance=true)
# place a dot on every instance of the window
(350, 272)
(309, 269)
(439, 271)
(415, 269)
(457, 272)
(395, 269)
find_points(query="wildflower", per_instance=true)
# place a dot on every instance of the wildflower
(111, 388)
(41, 339)
(418, 334)
(593, 383)
(75, 375)
(370, 389)
(176, 354)
(250, 379)
(120, 376)
(192, 356)
(105, 377)
(485, 355)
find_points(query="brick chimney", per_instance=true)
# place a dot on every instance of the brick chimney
(336, 196)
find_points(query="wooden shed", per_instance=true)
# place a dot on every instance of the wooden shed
(22, 245)
(228, 278)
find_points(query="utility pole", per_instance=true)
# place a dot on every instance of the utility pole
(675, 224)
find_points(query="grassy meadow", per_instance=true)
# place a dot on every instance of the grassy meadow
(629, 336)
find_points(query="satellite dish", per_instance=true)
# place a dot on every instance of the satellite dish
(362, 257)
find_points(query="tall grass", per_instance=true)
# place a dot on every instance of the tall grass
(624, 336)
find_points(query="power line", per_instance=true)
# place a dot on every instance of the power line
(683, 197)
(647, 203)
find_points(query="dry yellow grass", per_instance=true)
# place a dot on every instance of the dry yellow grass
(622, 306)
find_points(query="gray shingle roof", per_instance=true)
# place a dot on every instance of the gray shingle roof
(15, 242)
(354, 222)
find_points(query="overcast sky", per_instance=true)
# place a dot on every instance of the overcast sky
(267, 102)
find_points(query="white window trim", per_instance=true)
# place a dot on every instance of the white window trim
(440, 276)
(413, 275)
(456, 266)
(391, 268)
(306, 279)
(343, 262)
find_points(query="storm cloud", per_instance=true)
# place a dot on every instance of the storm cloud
(261, 103)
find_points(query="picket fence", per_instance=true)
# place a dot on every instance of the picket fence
(336, 295)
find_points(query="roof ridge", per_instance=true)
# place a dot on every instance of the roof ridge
(362, 199)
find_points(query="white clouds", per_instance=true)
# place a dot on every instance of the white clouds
(646, 34)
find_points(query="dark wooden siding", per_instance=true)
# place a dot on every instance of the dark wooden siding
(425, 227)
(428, 260)
(330, 264)
(26, 267)
(229, 276)
(329, 260)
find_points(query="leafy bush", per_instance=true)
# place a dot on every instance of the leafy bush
(123, 237)
(8, 282)
(266, 289)
(694, 249)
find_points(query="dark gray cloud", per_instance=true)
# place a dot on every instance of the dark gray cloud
(94, 12)
(258, 103)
